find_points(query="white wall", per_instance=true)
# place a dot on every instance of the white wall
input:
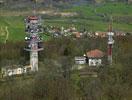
(80, 62)
(95, 62)
(16, 71)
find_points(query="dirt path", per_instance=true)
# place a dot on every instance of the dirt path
(2, 32)
(47, 12)
(7, 34)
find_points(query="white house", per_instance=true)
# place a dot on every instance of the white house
(95, 57)
(80, 60)
(95, 62)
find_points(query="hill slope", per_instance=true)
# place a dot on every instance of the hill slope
(90, 17)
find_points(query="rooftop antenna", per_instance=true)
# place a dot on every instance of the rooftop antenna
(110, 41)
(34, 6)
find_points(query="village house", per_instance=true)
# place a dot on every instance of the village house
(119, 33)
(77, 34)
(80, 60)
(105, 34)
(14, 70)
(95, 57)
(101, 34)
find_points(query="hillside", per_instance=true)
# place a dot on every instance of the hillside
(56, 80)
(59, 76)
(90, 17)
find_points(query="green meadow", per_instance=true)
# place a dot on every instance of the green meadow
(91, 17)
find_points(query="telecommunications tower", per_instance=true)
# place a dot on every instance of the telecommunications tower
(33, 39)
(110, 44)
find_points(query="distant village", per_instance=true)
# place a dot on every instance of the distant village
(73, 31)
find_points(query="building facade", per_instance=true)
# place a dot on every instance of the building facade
(95, 57)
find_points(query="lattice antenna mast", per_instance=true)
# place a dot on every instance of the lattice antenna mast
(110, 41)
(33, 39)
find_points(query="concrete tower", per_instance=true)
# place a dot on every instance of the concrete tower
(34, 40)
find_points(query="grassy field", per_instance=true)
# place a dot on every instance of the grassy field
(90, 17)
(15, 26)
(98, 16)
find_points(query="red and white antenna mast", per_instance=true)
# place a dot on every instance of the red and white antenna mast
(110, 43)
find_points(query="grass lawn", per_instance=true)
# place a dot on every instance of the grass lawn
(16, 28)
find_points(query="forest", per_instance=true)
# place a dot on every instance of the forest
(55, 80)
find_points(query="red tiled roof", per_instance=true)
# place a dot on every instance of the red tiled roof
(33, 18)
(95, 54)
